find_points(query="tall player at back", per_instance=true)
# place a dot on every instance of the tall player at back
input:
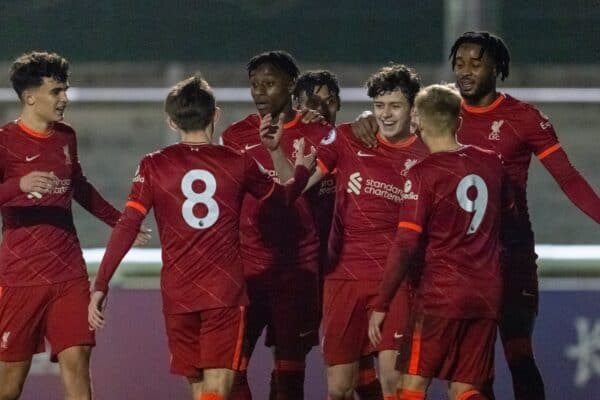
(517, 131)
(453, 217)
(196, 189)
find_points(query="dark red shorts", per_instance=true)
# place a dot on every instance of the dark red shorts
(205, 339)
(347, 307)
(56, 312)
(287, 305)
(456, 350)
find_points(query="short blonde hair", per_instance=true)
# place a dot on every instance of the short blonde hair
(438, 106)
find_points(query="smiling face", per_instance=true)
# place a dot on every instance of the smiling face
(475, 74)
(392, 111)
(271, 90)
(48, 101)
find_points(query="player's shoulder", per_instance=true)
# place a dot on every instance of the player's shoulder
(249, 124)
(521, 109)
(64, 128)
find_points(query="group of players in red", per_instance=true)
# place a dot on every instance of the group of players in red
(405, 235)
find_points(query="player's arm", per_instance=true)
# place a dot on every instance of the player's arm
(270, 137)
(121, 240)
(365, 128)
(402, 254)
(260, 185)
(577, 189)
(543, 141)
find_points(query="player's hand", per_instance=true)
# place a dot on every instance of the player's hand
(311, 116)
(375, 322)
(365, 128)
(309, 160)
(39, 182)
(96, 310)
(270, 134)
(143, 236)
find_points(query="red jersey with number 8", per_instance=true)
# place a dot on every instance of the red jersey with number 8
(197, 193)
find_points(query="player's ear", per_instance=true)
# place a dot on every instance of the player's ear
(291, 86)
(459, 125)
(28, 97)
(172, 124)
(217, 116)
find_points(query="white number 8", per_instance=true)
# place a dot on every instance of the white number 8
(477, 205)
(193, 198)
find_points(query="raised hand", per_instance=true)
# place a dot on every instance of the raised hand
(270, 134)
(311, 116)
(309, 160)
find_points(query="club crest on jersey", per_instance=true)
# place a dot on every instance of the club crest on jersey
(495, 133)
(67, 154)
(330, 138)
(137, 177)
(545, 124)
(408, 164)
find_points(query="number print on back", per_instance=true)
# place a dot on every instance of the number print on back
(478, 204)
(205, 197)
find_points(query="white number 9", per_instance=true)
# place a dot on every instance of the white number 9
(478, 205)
(193, 198)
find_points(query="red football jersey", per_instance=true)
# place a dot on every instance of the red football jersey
(275, 235)
(516, 131)
(370, 192)
(196, 192)
(39, 243)
(455, 199)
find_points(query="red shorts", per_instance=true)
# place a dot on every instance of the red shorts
(287, 304)
(347, 306)
(456, 350)
(56, 312)
(205, 339)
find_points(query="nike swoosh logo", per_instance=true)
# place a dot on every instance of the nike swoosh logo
(304, 334)
(361, 154)
(528, 294)
(397, 335)
(27, 158)
(250, 146)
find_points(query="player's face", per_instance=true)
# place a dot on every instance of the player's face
(49, 100)
(321, 100)
(271, 89)
(475, 74)
(392, 111)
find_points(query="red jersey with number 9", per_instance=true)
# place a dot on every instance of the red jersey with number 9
(456, 202)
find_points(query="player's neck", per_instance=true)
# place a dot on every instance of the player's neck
(442, 143)
(195, 137)
(482, 101)
(33, 122)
